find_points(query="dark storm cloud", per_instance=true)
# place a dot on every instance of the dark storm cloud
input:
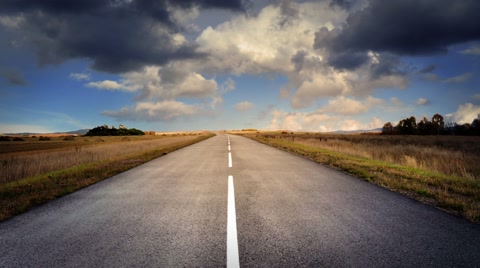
(230, 4)
(403, 27)
(349, 60)
(117, 35)
(386, 65)
(346, 4)
(53, 6)
(298, 60)
(155, 8)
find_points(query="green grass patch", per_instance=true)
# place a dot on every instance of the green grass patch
(19, 196)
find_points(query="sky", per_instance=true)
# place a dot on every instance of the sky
(173, 65)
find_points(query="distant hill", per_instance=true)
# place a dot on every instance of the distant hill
(75, 132)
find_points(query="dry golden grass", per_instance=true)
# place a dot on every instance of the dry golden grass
(58, 154)
(441, 171)
(36, 173)
(451, 155)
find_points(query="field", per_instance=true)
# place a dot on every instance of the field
(36, 170)
(443, 171)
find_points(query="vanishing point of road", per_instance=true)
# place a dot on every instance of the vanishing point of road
(230, 201)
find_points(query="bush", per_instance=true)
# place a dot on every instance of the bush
(44, 138)
(3, 138)
(18, 139)
(69, 138)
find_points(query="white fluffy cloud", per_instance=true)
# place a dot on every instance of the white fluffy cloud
(319, 87)
(108, 85)
(167, 82)
(317, 121)
(159, 90)
(280, 39)
(156, 111)
(348, 106)
(466, 113)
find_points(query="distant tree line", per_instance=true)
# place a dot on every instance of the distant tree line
(105, 130)
(435, 126)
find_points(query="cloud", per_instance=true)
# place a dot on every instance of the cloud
(156, 111)
(162, 93)
(319, 87)
(348, 106)
(79, 76)
(459, 78)
(12, 76)
(280, 40)
(403, 27)
(317, 121)
(476, 96)
(465, 113)
(107, 84)
(474, 50)
(422, 101)
(289, 12)
(243, 106)
(347, 4)
(118, 36)
(12, 22)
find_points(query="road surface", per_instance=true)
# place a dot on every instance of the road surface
(230, 201)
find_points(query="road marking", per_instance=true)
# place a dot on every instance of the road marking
(229, 159)
(232, 243)
(229, 148)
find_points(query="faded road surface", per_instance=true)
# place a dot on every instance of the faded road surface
(279, 210)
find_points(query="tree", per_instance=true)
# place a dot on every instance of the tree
(437, 124)
(106, 131)
(407, 126)
(424, 127)
(387, 129)
(475, 127)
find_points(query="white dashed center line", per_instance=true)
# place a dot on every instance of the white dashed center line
(229, 154)
(232, 244)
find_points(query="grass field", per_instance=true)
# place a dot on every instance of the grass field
(443, 171)
(34, 172)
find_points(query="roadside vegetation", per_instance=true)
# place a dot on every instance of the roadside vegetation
(34, 171)
(443, 171)
(105, 130)
(435, 126)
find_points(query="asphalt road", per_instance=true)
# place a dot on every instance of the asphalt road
(287, 212)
